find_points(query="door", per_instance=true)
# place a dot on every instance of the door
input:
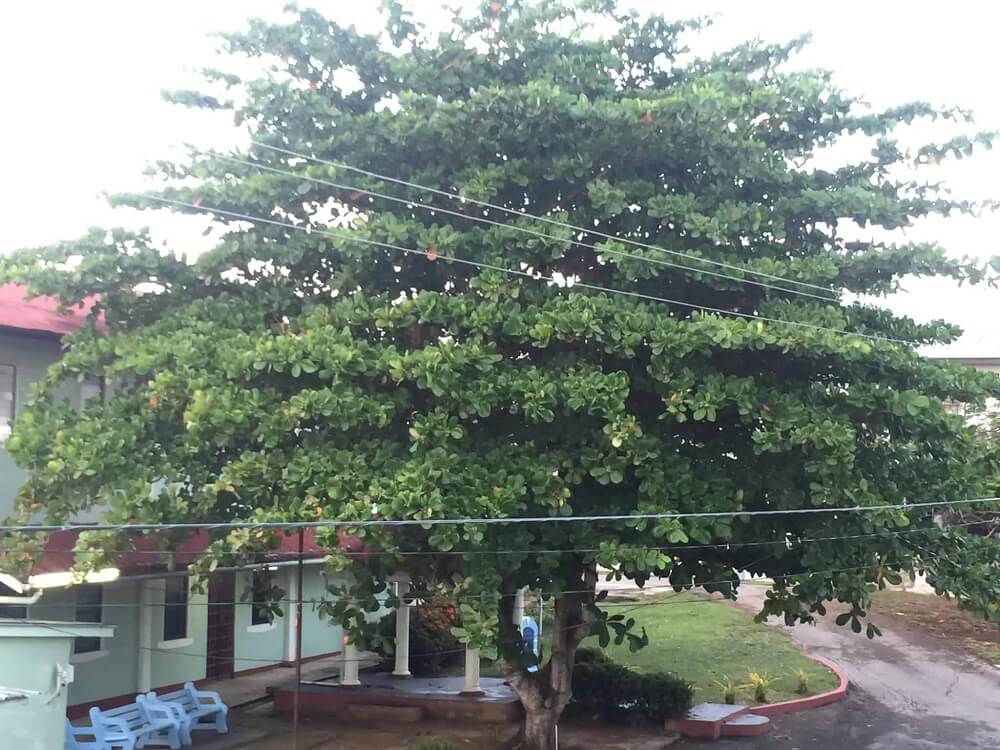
(221, 622)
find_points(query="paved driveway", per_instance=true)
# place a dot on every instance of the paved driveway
(909, 691)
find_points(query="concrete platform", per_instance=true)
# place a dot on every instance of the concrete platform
(710, 721)
(436, 698)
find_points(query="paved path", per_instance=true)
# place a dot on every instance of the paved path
(908, 692)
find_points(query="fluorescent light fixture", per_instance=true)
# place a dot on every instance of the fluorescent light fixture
(12, 583)
(69, 578)
(272, 567)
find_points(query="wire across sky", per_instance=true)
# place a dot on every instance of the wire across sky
(466, 521)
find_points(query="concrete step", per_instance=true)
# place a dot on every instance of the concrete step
(705, 720)
(745, 725)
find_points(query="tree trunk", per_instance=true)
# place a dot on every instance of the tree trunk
(539, 729)
(546, 693)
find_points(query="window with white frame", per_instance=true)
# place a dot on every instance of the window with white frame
(175, 608)
(89, 608)
(8, 380)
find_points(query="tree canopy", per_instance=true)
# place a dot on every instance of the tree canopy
(339, 355)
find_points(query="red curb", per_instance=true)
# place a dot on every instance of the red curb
(813, 701)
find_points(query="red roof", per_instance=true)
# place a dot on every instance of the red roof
(58, 552)
(40, 314)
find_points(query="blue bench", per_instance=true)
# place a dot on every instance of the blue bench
(137, 725)
(193, 709)
(73, 741)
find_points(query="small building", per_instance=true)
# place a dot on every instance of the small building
(141, 625)
(149, 629)
(35, 672)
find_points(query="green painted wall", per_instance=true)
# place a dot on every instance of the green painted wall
(258, 645)
(170, 666)
(318, 637)
(114, 672)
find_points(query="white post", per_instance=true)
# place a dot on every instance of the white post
(472, 686)
(349, 668)
(292, 617)
(144, 665)
(518, 607)
(402, 668)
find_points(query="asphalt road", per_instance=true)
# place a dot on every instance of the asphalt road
(909, 691)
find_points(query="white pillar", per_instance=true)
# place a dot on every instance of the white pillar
(147, 607)
(472, 686)
(519, 607)
(349, 667)
(292, 617)
(402, 668)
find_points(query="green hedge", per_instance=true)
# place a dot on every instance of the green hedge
(615, 693)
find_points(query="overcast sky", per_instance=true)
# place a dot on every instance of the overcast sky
(82, 112)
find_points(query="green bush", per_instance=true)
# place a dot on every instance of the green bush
(432, 646)
(435, 745)
(588, 655)
(615, 693)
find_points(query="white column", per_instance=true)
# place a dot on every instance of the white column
(472, 686)
(519, 607)
(144, 659)
(292, 616)
(349, 667)
(402, 631)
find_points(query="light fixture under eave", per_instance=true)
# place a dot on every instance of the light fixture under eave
(71, 578)
(12, 583)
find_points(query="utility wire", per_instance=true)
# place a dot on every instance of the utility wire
(523, 214)
(375, 522)
(434, 601)
(561, 283)
(483, 220)
(279, 556)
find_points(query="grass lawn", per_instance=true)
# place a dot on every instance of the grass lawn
(703, 640)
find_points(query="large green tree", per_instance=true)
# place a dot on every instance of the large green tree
(298, 371)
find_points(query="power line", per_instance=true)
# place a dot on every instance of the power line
(433, 601)
(546, 220)
(375, 522)
(563, 284)
(491, 222)
(786, 541)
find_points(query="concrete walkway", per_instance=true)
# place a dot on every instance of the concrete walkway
(908, 691)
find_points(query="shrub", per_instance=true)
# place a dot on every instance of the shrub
(616, 693)
(588, 655)
(729, 689)
(803, 682)
(663, 696)
(432, 646)
(760, 683)
(435, 745)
